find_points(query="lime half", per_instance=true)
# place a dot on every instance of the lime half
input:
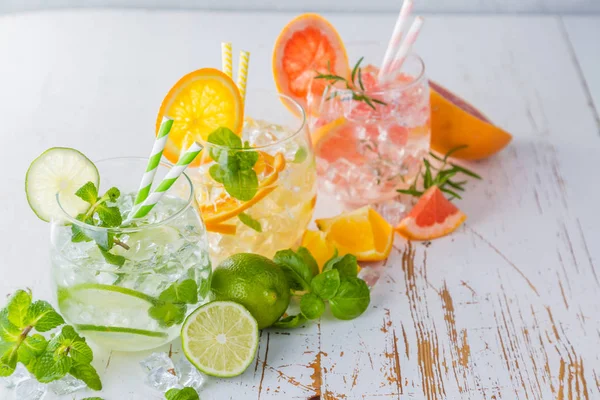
(220, 338)
(63, 171)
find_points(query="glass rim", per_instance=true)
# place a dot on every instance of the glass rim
(395, 85)
(171, 217)
(301, 117)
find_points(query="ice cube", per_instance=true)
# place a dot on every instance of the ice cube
(392, 210)
(188, 374)
(66, 385)
(162, 379)
(30, 389)
(20, 374)
(157, 360)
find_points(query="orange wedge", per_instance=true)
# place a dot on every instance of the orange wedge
(199, 103)
(362, 232)
(432, 217)
(220, 211)
(224, 229)
(454, 123)
(307, 44)
(316, 242)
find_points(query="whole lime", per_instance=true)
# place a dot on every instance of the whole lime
(255, 282)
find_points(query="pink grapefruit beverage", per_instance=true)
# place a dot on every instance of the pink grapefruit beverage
(370, 135)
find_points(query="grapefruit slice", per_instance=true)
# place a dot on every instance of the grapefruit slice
(199, 103)
(307, 44)
(433, 216)
(454, 123)
(362, 232)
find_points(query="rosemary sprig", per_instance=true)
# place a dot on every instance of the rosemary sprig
(355, 85)
(442, 178)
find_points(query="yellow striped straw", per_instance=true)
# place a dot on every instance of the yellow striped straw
(242, 74)
(226, 59)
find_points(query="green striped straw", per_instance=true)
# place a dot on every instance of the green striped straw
(142, 209)
(154, 160)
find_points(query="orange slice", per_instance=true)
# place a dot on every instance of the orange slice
(219, 212)
(224, 229)
(316, 242)
(362, 232)
(307, 44)
(199, 103)
(454, 122)
(433, 216)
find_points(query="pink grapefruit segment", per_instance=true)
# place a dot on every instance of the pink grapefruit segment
(432, 217)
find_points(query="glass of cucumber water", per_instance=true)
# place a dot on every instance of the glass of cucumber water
(125, 286)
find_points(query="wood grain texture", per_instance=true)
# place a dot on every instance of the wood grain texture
(506, 308)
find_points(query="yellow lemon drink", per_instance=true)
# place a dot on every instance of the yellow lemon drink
(269, 213)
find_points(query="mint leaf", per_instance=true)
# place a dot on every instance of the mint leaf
(185, 292)
(32, 347)
(17, 307)
(351, 300)
(43, 317)
(241, 183)
(297, 272)
(187, 393)
(223, 137)
(168, 314)
(81, 353)
(346, 265)
(300, 155)
(50, 367)
(217, 173)
(87, 374)
(247, 159)
(88, 193)
(109, 216)
(312, 306)
(112, 194)
(309, 260)
(250, 222)
(93, 398)
(112, 258)
(8, 362)
(326, 284)
(8, 331)
(292, 321)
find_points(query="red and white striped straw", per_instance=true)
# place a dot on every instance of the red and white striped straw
(396, 38)
(407, 43)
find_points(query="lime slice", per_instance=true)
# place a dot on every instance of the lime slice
(58, 170)
(220, 338)
(123, 339)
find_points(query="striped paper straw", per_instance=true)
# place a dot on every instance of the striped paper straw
(396, 38)
(226, 59)
(411, 38)
(154, 160)
(174, 173)
(242, 74)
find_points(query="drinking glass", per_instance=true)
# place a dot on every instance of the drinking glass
(270, 213)
(368, 149)
(129, 288)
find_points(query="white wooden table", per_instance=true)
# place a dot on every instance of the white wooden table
(506, 308)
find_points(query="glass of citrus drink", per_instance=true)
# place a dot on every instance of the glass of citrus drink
(129, 288)
(256, 190)
(370, 137)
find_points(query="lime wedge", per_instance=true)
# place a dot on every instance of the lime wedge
(58, 170)
(220, 338)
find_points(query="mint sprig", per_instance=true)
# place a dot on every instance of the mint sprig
(47, 359)
(102, 215)
(234, 166)
(338, 285)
